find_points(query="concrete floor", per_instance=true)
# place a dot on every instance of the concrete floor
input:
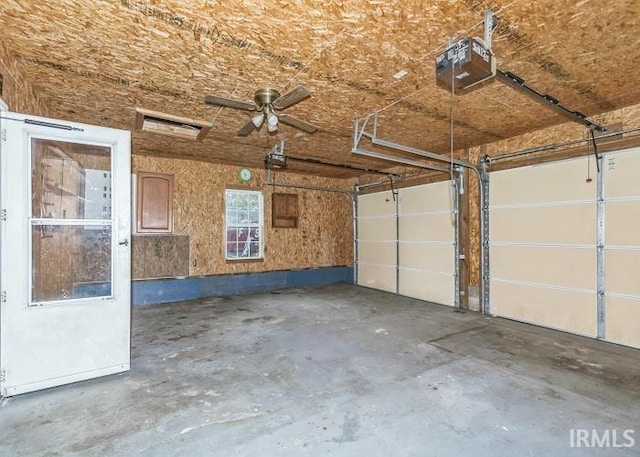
(339, 370)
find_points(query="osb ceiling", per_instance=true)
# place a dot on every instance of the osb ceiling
(96, 61)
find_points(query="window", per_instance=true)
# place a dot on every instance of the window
(243, 234)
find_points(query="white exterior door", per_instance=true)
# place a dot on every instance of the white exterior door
(65, 194)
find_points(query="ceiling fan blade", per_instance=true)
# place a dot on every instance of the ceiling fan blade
(297, 123)
(246, 129)
(229, 102)
(295, 95)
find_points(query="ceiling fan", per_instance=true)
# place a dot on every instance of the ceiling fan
(269, 102)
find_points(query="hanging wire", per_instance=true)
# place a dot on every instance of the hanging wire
(439, 49)
(595, 148)
(588, 159)
(233, 92)
(331, 43)
(451, 112)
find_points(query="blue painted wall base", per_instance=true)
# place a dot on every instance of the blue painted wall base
(155, 291)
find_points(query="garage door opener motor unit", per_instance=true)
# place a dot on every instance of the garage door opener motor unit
(467, 62)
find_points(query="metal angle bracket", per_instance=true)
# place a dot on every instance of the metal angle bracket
(600, 250)
(518, 83)
(356, 240)
(484, 245)
(457, 191)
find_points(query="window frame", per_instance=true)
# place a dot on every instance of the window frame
(259, 226)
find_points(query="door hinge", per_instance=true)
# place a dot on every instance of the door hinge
(3, 135)
(3, 296)
(3, 215)
(3, 376)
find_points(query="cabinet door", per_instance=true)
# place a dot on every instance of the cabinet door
(155, 203)
(285, 210)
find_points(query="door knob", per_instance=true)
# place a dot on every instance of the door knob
(123, 242)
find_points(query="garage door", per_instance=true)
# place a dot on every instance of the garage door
(543, 256)
(427, 243)
(622, 247)
(377, 241)
(408, 247)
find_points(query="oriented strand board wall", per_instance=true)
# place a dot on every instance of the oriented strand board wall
(543, 246)
(377, 245)
(427, 243)
(324, 236)
(622, 247)
(159, 256)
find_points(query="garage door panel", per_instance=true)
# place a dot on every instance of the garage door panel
(377, 253)
(425, 198)
(566, 224)
(425, 256)
(622, 324)
(377, 229)
(377, 247)
(622, 275)
(556, 266)
(565, 310)
(426, 234)
(378, 204)
(621, 178)
(427, 227)
(623, 222)
(433, 287)
(560, 181)
(377, 277)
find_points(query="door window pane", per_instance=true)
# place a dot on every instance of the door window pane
(69, 180)
(70, 261)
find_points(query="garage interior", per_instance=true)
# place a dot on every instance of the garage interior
(392, 228)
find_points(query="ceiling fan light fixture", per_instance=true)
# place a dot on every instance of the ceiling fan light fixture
(272, 122)
(257, 120)
(269, 103)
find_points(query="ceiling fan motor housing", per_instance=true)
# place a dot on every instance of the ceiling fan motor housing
(264, 97)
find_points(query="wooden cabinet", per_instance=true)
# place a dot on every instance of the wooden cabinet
(284, 210)
(154, 203)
